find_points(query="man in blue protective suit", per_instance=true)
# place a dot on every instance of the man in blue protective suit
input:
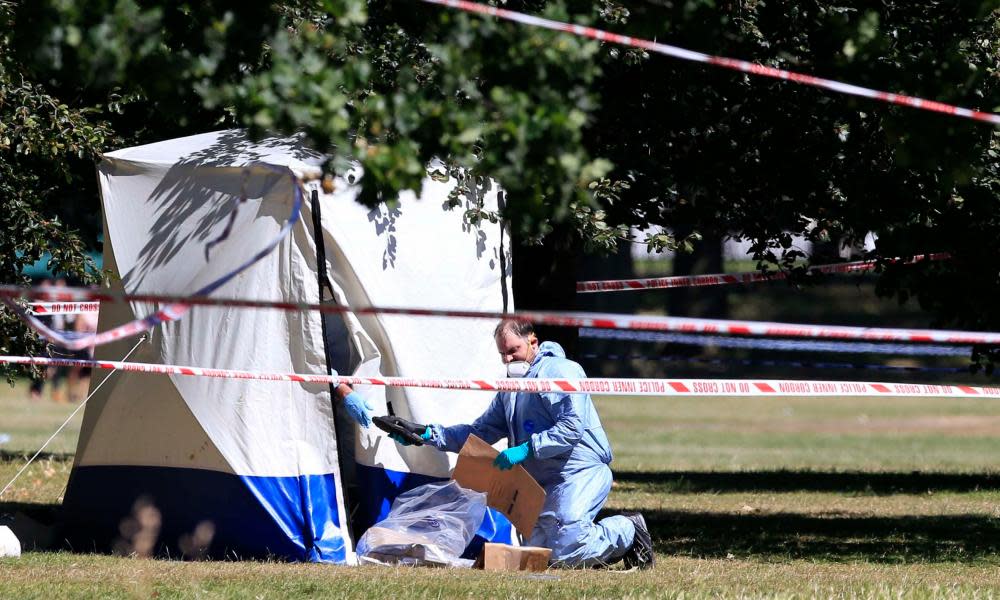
(559, 439)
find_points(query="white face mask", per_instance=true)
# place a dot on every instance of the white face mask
(518, 368)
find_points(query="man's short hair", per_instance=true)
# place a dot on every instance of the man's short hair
(518, 328)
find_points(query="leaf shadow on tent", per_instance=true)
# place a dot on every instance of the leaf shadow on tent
(474, 199)
(202, 190)
(383, 217)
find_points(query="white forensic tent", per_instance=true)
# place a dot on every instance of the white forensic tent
(270, 465)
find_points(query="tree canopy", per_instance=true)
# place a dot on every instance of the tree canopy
(587, 139)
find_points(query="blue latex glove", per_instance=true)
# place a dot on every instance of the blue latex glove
(359, 409)
(512, 456)
(426, 435)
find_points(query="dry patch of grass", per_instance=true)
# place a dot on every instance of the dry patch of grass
(26, 424)
(44, 481)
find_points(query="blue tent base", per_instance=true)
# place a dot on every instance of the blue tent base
(379, 487)
(292, 518)
(253, 517)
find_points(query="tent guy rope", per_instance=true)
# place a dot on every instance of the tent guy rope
(68, 419)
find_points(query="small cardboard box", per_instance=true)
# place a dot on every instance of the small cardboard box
(514, 492)
(503, 557)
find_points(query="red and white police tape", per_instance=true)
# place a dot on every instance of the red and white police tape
(728, 63)
(623, 285)
(608, 285)
(596, 386)
(63, 308)
(554, 318)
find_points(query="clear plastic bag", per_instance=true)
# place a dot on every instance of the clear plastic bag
(428, 525)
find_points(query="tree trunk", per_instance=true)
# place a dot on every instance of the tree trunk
(593, 353)
(708, 302)
(545, 279)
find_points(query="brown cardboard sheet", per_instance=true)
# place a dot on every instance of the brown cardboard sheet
(515, 493)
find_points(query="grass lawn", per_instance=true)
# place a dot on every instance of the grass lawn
(851, 498)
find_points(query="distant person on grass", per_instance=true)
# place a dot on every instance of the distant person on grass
(559, 439)
(78, 379)
(55, 375)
